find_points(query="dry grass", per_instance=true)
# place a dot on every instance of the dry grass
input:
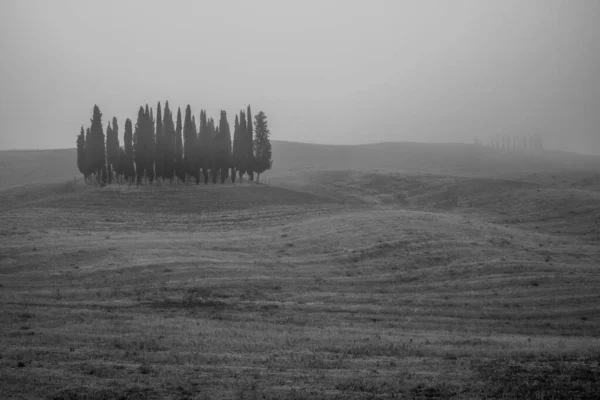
(261, 292)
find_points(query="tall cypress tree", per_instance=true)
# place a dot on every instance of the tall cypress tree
(262, 145)
(179, 148)
(149, 144)
(205, 143)
(159, 157)
(243, 152)
(139, 145)
(212, 134)
(235, 153)
(189, 137)
(112, 147)
(109, 156)
(97, 149)
(195, 148)
(81, 154)
(249, 147)
(121, 164)
(88, 152)
(128, 168)
(169, 137)
(224, 146)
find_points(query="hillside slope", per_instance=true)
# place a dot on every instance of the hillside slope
(289, 158)
(19, 167)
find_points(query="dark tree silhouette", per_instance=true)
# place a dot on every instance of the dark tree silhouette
(169, 148)
(189, 137)
(205, 144)
(88, 152)
(262, 145)
(138, 145)
(121, 165)
(179, 168)
(249, 147)
(224, 147)
(96, 149)
(243, 149)
(128, 168)
(236, 151)
(159, 157)
(150, 144)
(112, 148)
(81, 154)
(212, 133)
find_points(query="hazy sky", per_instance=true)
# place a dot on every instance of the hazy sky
(323, 71)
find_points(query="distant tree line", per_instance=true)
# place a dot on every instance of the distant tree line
(158, 149)
(514, 142)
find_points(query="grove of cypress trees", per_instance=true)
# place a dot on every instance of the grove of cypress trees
(249, 150)
(154, 149)
(81, 154)
(179, 148)
(128, 168)
(159, 156)
(262, 145)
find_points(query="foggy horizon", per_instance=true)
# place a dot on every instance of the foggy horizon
(323, 72)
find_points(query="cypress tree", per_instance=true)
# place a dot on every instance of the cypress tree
(109, 156)
(235, 153)
(169, 137)
(243, 152)
(224, 146)
(262, 145)
(149, 144)
(97, 149)
(128, 168)
(189, 137)
(81, 154)
(159, 157)
(179, 148)
(112, 147)
(195, 149)
(249, 143)
(213, 135)
(205, 143)
(138, 145)
(121, 164)
(88, 152)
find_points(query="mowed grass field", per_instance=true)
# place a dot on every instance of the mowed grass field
(343, 285)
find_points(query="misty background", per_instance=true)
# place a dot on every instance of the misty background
(334, 72)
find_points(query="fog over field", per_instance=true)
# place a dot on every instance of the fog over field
(299, 200)
(325, 71)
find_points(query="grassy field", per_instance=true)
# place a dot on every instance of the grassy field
(342, 285)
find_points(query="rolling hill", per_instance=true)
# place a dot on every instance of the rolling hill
(293, 159)
(395, 270)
